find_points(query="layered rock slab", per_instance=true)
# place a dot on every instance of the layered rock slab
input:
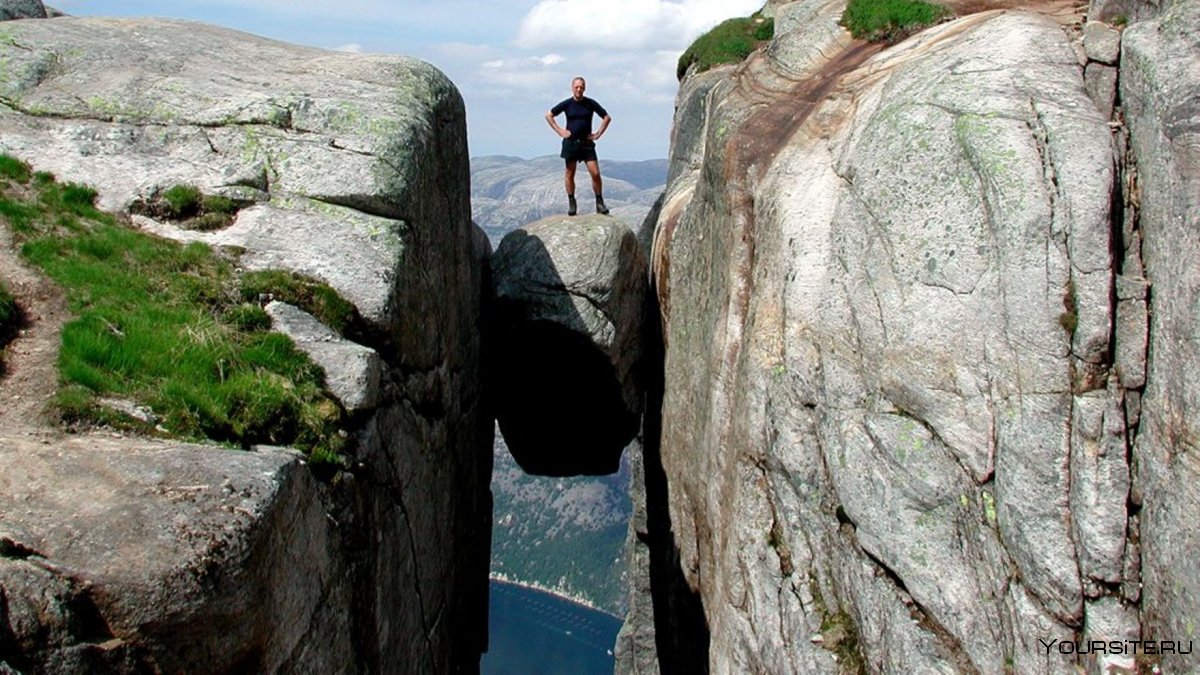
(352, 371)
(145, 555)
(569, 294)
(889, 400)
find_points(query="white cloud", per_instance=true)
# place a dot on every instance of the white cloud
(625, 24)
(464, 52)
(519, 78)
(520, 81)
(353, 48)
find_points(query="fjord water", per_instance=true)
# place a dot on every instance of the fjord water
(532, 632)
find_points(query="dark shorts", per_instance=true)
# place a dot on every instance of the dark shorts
(581, 150)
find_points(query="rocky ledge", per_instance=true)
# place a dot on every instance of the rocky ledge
(351, 169)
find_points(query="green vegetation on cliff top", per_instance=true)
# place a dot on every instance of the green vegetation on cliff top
(873, 20)
(890, 20)
(729, 42)
(168, 326)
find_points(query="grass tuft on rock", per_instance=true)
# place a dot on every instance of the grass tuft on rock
(890, 20)
(191, 209)
(312, 296)
(729, 42)
(14, 169)
(181, 201)
(163, 324)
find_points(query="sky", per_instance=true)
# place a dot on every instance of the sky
(512, 60)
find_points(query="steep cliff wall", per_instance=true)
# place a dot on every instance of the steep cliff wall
(905, 319)
(1160, 90)
(355, 172)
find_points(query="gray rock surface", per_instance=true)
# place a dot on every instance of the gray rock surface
(352, 371)
(111, 552)
(1101, 84)
(892, 427)
(357, 171)
(1125, 11)
(568, 330)
(22, 9)
(1101, 42)
(1160, 89)
(1108, 620)
(635, 650)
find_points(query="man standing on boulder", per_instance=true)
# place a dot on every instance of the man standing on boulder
(579, 143)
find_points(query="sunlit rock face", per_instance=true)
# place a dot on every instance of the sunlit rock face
(906, 316)
(567, 352)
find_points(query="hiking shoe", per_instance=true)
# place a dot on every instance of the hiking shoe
(600, 207)
(572, 208)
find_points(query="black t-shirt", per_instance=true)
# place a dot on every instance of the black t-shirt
(579, 115)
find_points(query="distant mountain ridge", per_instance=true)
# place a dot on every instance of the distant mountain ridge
(508, 192)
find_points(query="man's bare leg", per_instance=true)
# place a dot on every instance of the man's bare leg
(570, 185)
(593, 168)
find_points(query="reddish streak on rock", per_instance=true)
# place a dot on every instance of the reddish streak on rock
(752, 149)
(660, 267)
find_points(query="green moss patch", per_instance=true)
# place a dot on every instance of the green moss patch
(890, 20)
(729, 42)
(165, 325)
(839, 634)
(189, 208)
(312, 296)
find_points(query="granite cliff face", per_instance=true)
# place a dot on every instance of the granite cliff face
(353, 170)
(1160, 90)
(924, 398)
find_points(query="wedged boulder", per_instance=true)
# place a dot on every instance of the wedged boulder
(22, 9)
(890, 425)
(142, 556)
(569, 296)
(1160, 88)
